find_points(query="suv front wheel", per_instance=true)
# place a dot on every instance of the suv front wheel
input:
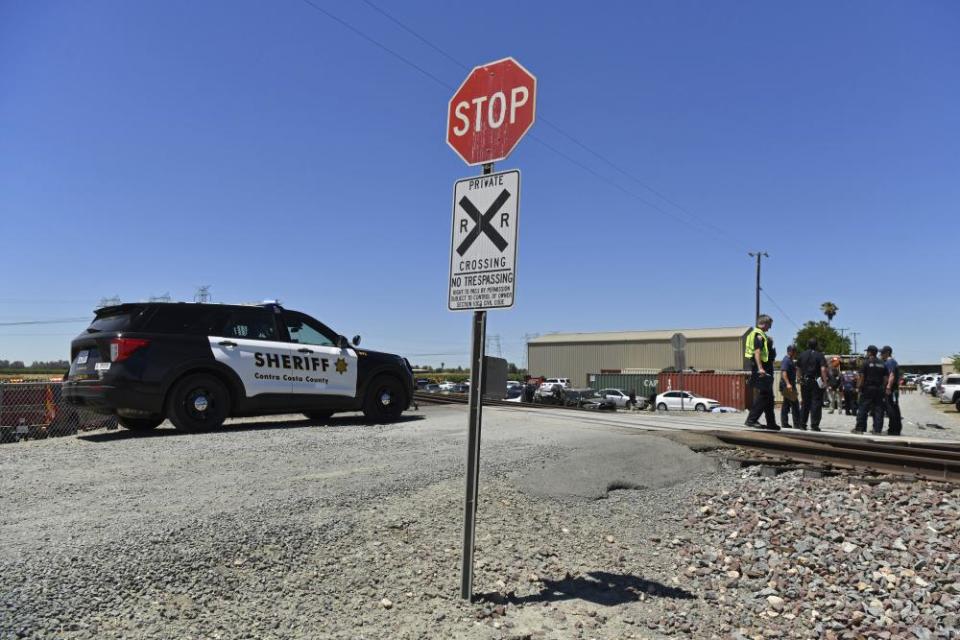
(385, 400)
(198, 402)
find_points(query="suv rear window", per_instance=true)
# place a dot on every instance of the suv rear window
(114, 319)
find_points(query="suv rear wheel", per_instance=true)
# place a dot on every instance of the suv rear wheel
(198, 402)
(385, 400)
(139, 424)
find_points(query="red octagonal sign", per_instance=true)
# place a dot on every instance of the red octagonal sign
(491, 111)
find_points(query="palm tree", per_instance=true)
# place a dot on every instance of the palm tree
(829, 309)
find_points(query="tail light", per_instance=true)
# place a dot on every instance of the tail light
(123, 348)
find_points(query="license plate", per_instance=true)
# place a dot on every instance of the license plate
(82, 357)
(102, 366)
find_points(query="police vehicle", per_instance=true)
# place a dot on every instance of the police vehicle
(198, 364)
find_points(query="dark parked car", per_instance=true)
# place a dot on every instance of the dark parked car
(587, 399)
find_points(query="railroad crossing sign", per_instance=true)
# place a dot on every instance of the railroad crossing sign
(491, 111)
(679, 341)
(483, 243)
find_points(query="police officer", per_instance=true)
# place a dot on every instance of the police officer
(813, 372)
(834, 396)
(891, 392)
(758, 347)
(873, 377)
(788, 389)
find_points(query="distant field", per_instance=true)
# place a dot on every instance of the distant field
(32, 374)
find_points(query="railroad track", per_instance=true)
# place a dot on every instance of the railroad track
(920, 459)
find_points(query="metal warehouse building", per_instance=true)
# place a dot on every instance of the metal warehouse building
(575, 355)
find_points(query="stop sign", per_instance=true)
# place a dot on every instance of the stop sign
(491, 111)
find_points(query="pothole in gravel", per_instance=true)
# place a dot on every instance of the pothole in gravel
(621, 485)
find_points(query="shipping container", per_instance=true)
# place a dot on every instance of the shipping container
(643, 382)
(729, 388)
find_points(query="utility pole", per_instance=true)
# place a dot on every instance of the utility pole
(842, 330)
(758, 255)
(855, 334)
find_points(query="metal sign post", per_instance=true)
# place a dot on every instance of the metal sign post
(486, 118)
(474, 423)
(679, 344)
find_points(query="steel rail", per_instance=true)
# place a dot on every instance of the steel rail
(940, 465)
(928, 460)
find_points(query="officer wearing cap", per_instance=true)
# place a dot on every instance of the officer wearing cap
(873, 377)
(813, 372)
(891, 391)
(759, 348)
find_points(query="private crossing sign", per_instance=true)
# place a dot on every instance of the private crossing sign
(483, 246)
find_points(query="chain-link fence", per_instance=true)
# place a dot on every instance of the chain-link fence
(31, 410)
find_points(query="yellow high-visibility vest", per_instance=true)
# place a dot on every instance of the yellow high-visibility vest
(748, 345)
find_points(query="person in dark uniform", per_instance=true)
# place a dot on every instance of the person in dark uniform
(528, 391)
(891, 392)
(759, 348)
(850, 393)
(788, 389)
(873, 377)
(813, 372)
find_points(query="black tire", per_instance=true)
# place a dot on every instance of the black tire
(700, 407)
(139, 424)
(385, 400)
(319, 416)
(198, 403)
(662, 406)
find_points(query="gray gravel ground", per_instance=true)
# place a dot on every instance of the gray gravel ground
(281, 529)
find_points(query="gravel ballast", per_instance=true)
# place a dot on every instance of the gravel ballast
(287, 530)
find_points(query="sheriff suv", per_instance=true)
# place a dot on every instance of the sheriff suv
(198, 364)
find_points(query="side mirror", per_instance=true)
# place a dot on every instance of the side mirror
(342, 342)
(356, 341)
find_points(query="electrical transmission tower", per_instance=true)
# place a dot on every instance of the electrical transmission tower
(109, 302)
(494, 341)
(202, 294)
(164, 298)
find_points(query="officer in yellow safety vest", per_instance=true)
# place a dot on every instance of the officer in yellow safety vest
(759, 348)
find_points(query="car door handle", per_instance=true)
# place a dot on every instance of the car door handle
(227, 343)
(305, 350)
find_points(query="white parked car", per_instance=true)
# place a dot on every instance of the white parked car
(671, 400)
(930, 385)
(621, 398)
(950, 389)
(546, 387)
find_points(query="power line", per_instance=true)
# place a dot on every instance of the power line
(416, 35)
(567, 157)
(780, 309)
(55, 321)
(377, 43)
(556, 127)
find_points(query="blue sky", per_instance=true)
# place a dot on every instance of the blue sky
(271, 152)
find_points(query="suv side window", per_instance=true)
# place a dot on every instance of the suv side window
(186, 319)
(303, 329)
(251, 324)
